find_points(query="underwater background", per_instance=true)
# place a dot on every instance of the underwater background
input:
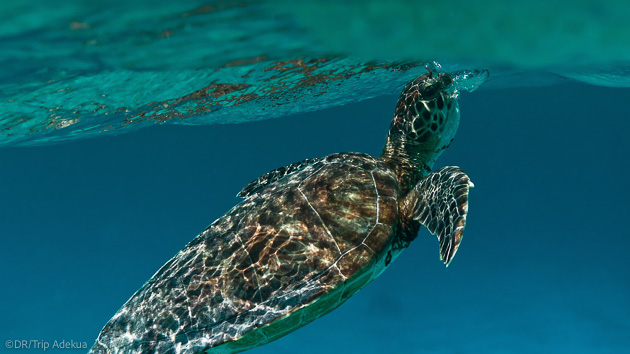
(543, 266)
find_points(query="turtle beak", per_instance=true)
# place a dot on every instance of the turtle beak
(447, 84)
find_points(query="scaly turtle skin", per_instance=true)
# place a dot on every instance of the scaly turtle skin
(306, 237)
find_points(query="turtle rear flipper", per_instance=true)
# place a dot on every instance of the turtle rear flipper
(440, 202)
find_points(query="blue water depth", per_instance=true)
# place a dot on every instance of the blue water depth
(543, 266)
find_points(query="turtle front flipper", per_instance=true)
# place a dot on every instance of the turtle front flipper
(440, 202)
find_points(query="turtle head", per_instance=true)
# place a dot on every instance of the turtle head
(424, 124)
(427, 115)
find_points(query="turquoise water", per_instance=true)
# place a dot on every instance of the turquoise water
(75, 69)
(543, 266)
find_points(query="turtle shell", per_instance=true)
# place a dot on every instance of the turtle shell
(283, 257)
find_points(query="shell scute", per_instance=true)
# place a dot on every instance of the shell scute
(345, 201)
(378, 238)
(356, 262)
(387, 210)
(385, 183)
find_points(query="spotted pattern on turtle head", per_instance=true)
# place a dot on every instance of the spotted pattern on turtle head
(422, 108)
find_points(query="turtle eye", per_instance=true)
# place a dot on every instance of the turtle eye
(429, 91)
(446, 80)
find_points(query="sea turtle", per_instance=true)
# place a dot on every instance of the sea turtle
(306, 237)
